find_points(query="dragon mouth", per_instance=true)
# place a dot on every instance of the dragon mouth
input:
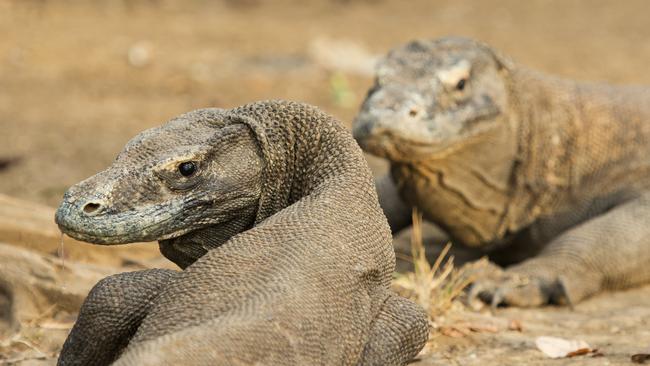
(388, 145)
(103, 238)
(392, 145)
(115, 229)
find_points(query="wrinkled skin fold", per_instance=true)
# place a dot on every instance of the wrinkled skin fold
(286, 253)
(550, 177)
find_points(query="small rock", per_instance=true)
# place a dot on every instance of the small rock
(140, 54)
(642, 357)
(515, 325)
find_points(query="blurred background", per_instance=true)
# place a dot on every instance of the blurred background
(79, 78)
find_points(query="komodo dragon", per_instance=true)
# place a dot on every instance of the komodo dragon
(271, 211)
(551, 176)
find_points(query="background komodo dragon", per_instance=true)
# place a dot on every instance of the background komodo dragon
(271, 210)
(551, 176)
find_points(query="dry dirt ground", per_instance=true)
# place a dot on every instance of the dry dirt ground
(78, 79)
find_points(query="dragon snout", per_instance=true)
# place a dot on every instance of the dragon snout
(361, 129)
(75, 212)
(84, 206)
(81, 219)
(64, 216)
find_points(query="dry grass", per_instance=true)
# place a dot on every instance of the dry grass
(434, 287)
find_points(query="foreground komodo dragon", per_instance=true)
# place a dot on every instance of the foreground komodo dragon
(271, 211)
(551, 176)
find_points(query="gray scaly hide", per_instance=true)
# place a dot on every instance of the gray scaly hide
(549, 176)
(287, 256)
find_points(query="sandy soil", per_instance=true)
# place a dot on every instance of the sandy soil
(617, 324)
(78, 79)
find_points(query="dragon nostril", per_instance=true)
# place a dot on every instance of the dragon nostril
(413, 112)
(91, 207)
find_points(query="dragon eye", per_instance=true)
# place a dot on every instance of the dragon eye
(461, 84)
(187, 168)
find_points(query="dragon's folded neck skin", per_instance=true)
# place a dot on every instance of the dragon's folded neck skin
(440, 112)
(271, 210)
(486, 147)
(191, 184)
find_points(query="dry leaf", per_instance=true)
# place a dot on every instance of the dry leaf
(558, 347)
(579, 352)
(597, 353)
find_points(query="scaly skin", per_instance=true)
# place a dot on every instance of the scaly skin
(549, 176)
(287, 256)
